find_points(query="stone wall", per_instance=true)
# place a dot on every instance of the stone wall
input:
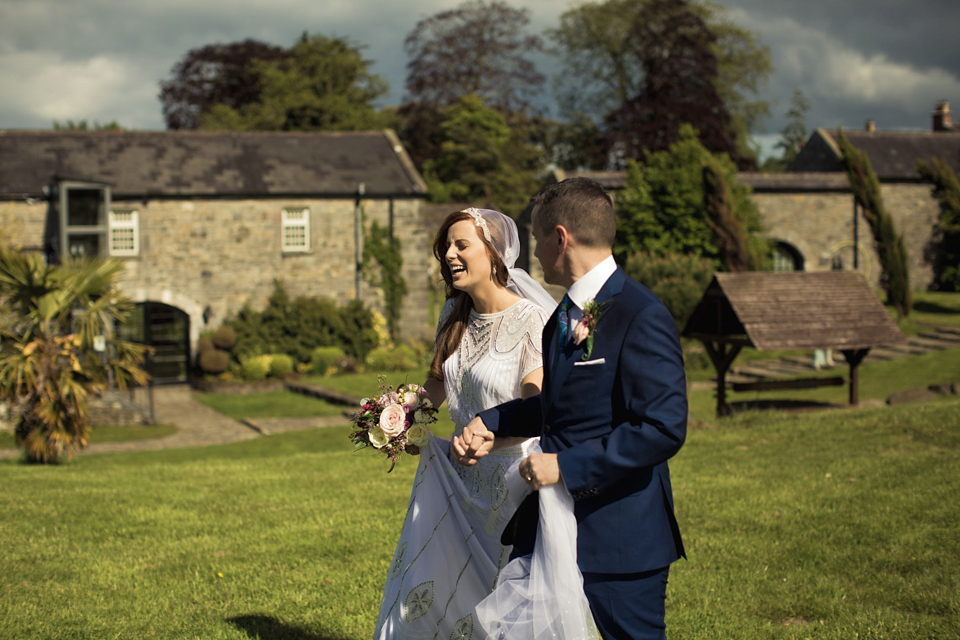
(214, 256)
(820, 226)
(21, 223)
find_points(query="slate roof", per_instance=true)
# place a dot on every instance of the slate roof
(159, 164)
(793, 310)
(788, 182)
(892, 154)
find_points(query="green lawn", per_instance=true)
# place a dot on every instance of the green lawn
(833, 524)
(110, 434)
(270, 404)
(823, 525)
(878, 380)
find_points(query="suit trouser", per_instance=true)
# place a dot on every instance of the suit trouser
(628, 606)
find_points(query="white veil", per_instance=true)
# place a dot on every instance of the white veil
(496, 226)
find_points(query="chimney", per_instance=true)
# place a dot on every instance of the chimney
(942, 121)
(870, 127)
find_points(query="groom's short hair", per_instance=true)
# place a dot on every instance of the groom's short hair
(582, 206)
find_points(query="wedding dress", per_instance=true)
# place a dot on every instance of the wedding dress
(449, 553)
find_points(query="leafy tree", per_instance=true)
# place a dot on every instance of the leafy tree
(479, 48)
(322, 85)
(888, 242)
(604, 67)
(945, 248)
(576, 144)
(737, 253)
(662, 209)
(481, 159)
(49, 360)
(420, 128)
(675, 49)
(794, 135)
(217, 74)
(678, 280)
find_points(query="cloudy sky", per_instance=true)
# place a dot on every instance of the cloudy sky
(102, 60)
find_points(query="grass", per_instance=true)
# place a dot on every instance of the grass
(109, 434)
(818, 525)
(932, 307)
(270, 404)
(878, 380)
(834, 524)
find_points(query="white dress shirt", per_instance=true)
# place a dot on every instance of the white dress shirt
(586, 289)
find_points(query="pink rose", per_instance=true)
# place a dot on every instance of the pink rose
(580, 333)
(411, 400)
(392, 420)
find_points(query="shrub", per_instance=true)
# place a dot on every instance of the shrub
(324, 358)
(205, 343)
(225, 338)
(255, 369)
(214, 361)
(296, 326)
(280, 365)
(678, 280)
(347, 364)
(398, 358)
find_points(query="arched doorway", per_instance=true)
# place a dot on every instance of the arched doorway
(166, 329)
(786, 257)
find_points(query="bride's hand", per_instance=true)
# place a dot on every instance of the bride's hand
(474, 443)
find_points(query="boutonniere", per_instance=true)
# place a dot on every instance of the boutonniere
(585, 330)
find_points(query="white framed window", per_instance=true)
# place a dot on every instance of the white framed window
(295, 230)
(124, 232)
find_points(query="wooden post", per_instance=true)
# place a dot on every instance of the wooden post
(722, 359)
(854, 358)
(854, 384)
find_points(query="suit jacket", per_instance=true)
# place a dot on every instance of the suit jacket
(614, 420)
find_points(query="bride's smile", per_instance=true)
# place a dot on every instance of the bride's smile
(467, 256)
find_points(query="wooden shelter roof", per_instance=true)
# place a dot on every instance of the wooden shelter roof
(793, 310)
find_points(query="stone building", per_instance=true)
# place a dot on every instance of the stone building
(206, 222)
(808, 210)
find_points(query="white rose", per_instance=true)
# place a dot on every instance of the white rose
(392, 420)
(377, 437)
(418, 435)
(421, 417)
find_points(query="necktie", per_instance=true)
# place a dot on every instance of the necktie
(563, 325)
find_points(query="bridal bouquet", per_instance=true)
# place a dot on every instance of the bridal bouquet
(394, 421)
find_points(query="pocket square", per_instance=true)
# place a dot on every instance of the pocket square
(588, 363)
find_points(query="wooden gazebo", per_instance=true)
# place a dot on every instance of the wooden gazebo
(790, 310)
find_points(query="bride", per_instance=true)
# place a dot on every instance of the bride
(488, 351)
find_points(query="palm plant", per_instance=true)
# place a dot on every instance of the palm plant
(57, 346)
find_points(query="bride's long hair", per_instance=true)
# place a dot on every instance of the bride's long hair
(451, 330)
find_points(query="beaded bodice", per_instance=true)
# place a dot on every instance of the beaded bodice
(496, 352)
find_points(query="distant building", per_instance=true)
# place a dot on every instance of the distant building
(207, 221)
(809, 209)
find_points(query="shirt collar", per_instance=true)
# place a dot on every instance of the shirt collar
(587, 287)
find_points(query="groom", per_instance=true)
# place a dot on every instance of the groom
(612, 411)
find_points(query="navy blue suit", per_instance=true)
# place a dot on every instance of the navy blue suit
(613, 420)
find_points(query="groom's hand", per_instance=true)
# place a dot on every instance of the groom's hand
(475, 442)
(540, 470)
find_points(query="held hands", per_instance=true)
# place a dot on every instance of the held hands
(475, 442)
